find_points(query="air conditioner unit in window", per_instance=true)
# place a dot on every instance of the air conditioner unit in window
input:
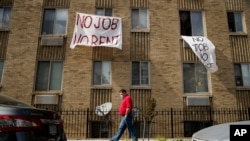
(197, 101)
(52, 41)
(46, 99)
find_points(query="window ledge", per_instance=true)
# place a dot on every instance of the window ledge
(4, 29)
(140, 30)
(47, 93)
(141, 87)
(242, 88)
(54, 35)
(101, 87)
(237, 34)
(197, 94)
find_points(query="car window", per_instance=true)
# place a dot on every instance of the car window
(6, 100)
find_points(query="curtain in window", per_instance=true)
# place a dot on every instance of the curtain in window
(143, 18)
(1, 17)
(1, 70)
(42, 76)
(104, 11)
(135, 73)
(144, 73)
(97, 73)
(100, 11)
(195, 78)
(56, 76)
(245, 74)
(238, 22)
(201, 78)
(189, 78)
(60, 21)
(135, 18)
(238, 75)
(48, 21)
(5, 17)
(197, 24)
(106, 69)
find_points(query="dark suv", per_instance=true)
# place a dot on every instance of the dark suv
(22, 122)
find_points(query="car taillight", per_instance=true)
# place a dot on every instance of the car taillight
(17, 123)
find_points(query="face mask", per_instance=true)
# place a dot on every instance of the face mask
(121, 96)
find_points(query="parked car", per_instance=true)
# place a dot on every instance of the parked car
(21, 122)
(220, 132)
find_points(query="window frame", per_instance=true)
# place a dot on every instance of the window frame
(234, 22)
(197, 93)
(101, 128)
(42, 32)
(139, 128)
(104, 11)
(49, 75)
(2, 20)
(147, 19)
(241, 75)
(140, 73)
(2, 71)
(190, 12)
(101, 81)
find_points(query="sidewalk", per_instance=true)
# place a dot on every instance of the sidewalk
(145, 139)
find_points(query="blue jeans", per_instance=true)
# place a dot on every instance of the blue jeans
(126, 122)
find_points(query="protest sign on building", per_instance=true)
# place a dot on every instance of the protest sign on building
(94, 30)
(204, 49)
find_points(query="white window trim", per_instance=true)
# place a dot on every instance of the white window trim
(140, 29)
(209, 93)
(203, 21)
(147, 86)
(108, 86)
(66, 26)
(243, 24)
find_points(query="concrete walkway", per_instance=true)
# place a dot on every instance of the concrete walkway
(175, 139)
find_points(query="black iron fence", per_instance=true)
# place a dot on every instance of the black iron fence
(169, 123)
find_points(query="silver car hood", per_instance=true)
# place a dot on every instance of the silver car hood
(218, 132)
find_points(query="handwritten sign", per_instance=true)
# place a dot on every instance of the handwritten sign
(204, 49)
(94, 30)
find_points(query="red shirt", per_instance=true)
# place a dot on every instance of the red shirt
(126, 103)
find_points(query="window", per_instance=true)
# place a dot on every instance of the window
(49, 75)
(104, 11)
(195, 78)
(190, 127)
(1, 69)
(139, 128)
(242, 74)
(191, 23)
(235, 21)
(140, 73)
(54, 21)
(5, 17)
(139, 19)
(102, 73)
(100, 129)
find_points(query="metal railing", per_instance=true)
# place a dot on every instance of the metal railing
(169, 123)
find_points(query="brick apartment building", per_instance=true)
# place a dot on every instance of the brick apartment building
(38, 66)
